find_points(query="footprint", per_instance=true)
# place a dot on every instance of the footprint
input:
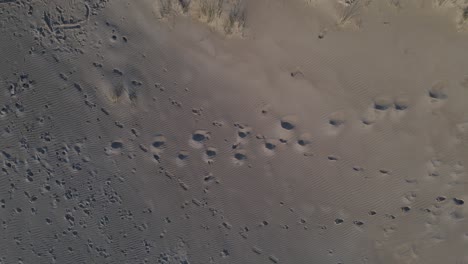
(269, 146)
(159, 142)
(243, 130)
(211, 152)
(384, 172)
(358, 168)
(438, 91)
(401, 103)
(304, 139)
(382, 103)
(369, 118)
(157, 157)
(339, 221)
(358, 223)
(433, 167)
(135, 132)
(240, 156)
(209, 178)
(273, 259)
(378, 110)
(117, 145)
(289, 122)
(337, 118)
(409, 197)
(183, 155)
(458, 201)
(243, 133)
(200, 135)
(405, 209)
(257, 250)
(298, 74)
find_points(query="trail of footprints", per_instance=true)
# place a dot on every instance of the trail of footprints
(73, 156)
(436, 94)
(52, 191)
(200, 140)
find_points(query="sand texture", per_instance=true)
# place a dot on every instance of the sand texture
(211, 131)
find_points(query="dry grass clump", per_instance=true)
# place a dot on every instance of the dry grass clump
(211, 9)
(460, 6)
(225, 16)
(236, 18)
(165, 7)
(350, 9)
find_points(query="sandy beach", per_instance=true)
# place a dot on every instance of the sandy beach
(211, 131)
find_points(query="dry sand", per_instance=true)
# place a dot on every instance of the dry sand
(209, 131)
